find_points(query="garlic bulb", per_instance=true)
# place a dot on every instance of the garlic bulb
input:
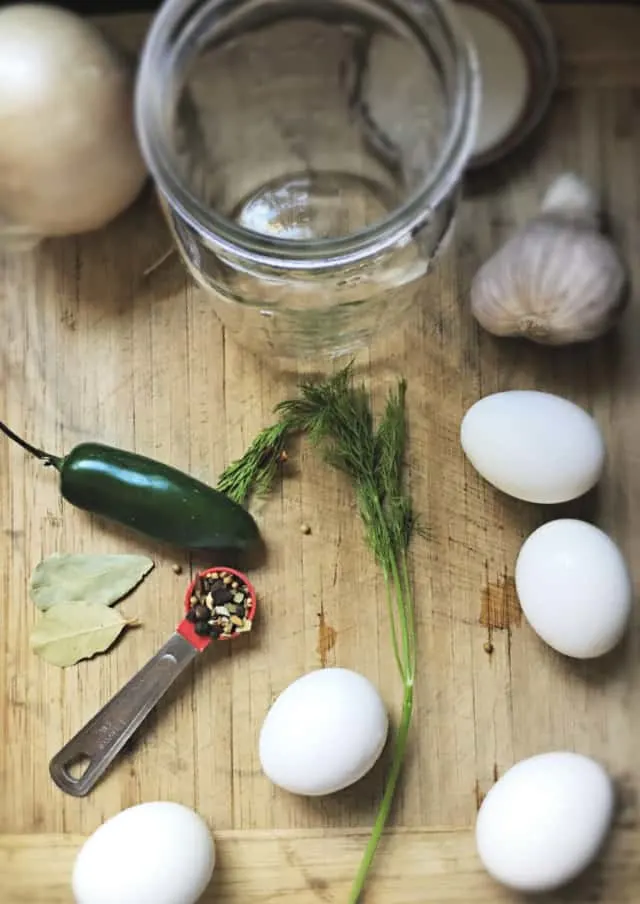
(558, 280)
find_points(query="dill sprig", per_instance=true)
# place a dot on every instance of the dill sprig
(336, 416)
(255, 473)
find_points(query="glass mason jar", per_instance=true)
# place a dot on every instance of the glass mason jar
(307, 154)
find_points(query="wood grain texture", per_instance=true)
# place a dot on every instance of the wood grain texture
(316, 867)
(91, 349)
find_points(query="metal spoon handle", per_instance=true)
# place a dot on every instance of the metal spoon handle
(103, 737)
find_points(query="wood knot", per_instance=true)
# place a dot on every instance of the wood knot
(499, 605)
(326, 639)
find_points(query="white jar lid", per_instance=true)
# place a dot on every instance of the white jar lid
(518, 64)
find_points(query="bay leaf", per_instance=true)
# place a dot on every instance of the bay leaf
(103, 579)
(69, 632)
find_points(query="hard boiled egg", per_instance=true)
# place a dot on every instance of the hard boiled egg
(544, 821)
(323, 733)
(574, 588)
(155, 853)
(533, 445)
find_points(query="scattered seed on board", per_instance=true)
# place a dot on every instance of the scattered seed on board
(177, 569)
(305, 529)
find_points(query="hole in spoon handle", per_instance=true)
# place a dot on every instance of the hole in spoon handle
(72, 773)
(80, 764)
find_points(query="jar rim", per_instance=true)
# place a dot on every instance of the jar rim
(229, 237)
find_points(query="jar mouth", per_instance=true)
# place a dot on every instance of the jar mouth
(155, 82)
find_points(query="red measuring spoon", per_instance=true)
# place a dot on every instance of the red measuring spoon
(96, 746)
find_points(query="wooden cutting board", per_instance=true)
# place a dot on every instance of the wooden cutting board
(93, 349)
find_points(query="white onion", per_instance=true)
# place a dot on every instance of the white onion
(69, 160)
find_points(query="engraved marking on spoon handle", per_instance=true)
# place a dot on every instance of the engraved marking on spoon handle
(103, 737)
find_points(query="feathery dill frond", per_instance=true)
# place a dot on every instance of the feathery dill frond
(336, 417)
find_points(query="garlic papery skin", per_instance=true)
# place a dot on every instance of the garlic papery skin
(571, 200)
(558, 280)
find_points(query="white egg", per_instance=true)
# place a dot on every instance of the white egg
(323, 733)
(533, 445)
(154, 853)
(544, 821)
(574, 588)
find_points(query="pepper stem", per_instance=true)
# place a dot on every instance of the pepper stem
(49, 460)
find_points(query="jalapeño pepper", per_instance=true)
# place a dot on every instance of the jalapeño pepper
(149, 497)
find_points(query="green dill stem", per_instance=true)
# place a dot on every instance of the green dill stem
(392, 621)
(411, 619)
(402, 593)
(404, 607)
(396, 577)
(399, 750)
